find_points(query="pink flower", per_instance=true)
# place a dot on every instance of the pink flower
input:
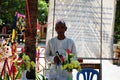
(62, 58)
(68, 51)
(22, 50)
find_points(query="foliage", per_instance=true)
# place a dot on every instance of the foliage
(24, 63)
(1, 22)
(8, 9)
(40, 77)
(0, 78)
(70, 62)
(117, 23)
(42, 11)
(8, 77)
(18, 74)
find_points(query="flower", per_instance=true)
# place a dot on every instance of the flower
(24, 63)
(70, 62)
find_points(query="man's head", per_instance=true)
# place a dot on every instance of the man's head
(60, 22)
(60, 27)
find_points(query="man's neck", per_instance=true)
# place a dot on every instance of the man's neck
(61, 37)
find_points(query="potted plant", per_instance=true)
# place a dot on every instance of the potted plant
(70, 63)
(24, 64)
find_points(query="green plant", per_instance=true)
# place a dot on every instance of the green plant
(42, 11)
(24, 63)
(70, 62)
(40, 77)
(8, 9)
(117, 23)
(0, 78)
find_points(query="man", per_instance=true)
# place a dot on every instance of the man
(56, 50)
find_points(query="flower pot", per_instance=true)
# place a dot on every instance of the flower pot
(23, 77)
(70, 76)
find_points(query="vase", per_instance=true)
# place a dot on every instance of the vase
(70, 76)
(23, 77)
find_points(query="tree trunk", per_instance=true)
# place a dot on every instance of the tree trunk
(30, 33)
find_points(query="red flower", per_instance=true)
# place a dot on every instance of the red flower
(20, 62)
(62, 58)
(14, 69)
(22, 50)
(68, 51)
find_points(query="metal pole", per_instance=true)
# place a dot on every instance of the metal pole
(101, 40)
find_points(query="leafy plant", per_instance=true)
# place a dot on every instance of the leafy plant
(40, 77)
(42, 11)
(117, 23)
(8, 9)
(0, 78)
(24, 63)
(70, 62)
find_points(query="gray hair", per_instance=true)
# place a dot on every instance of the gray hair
(60, 22)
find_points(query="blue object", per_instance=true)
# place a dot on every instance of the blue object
(88, 74)
(14, 23)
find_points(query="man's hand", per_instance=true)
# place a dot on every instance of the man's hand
(57, 59)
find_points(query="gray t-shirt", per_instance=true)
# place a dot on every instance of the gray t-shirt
(59, 45)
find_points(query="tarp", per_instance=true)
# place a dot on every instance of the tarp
(90, 24)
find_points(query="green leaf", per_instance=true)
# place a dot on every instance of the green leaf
(20, 55)
(18, 74)
(7, 77)
(37, 77)
(0, 78)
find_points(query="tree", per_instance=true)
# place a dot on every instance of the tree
(30, 33)
(8, 9)
(117, 23)
(42, 11)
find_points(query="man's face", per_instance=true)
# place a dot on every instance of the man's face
(60, 29)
